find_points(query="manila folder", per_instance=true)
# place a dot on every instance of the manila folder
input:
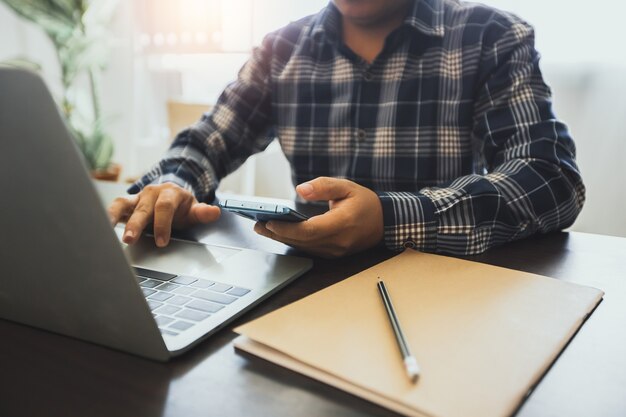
(482, 335)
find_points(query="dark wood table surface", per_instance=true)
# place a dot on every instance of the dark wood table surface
(43, 374)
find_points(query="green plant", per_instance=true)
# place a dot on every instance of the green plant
(77, 29)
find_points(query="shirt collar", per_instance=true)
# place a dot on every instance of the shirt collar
(426, 16)
(326, 24)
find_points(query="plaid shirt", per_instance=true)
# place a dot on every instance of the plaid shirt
(451, 125)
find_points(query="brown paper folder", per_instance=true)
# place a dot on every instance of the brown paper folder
(482, 335)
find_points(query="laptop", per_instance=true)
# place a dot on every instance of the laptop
(64, 268)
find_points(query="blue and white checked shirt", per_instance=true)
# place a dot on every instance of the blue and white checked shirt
(451, 125)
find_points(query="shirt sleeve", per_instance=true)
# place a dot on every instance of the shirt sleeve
(531, 183)
(223, 139)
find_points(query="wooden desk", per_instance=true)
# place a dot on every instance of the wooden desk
(43, 374)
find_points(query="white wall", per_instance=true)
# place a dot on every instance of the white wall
(23, 40)
(574, 32)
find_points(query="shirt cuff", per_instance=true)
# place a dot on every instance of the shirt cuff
(151, 179)
(409, 221)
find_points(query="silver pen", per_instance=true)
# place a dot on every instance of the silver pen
(412, 369)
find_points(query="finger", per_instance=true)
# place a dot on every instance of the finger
(165, 207)
(140, 217)
(325, 188)
(261, 229)
(203, 213)
(120, 209)
(313, 229)
(317, 249)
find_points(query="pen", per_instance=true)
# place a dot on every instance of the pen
(412, 369)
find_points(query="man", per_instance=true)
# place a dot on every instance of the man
(423, 123)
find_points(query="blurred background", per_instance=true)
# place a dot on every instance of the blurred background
(164, 62)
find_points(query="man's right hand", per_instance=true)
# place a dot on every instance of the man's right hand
(166, 205)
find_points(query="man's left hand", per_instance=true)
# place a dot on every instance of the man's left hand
(353, 223)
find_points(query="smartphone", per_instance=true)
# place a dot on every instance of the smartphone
(262, 212)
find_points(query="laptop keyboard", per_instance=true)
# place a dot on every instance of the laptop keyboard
(179, 302)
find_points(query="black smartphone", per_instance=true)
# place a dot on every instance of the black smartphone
(262, 212)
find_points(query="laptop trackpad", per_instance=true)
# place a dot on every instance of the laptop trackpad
(180, 257)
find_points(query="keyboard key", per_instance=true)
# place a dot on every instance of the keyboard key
(163, 321)
(202, 283)
(181, 325)
(184, 280)
(165, 331)
(167, 309)
(140, 279)
(184, 290)
(161, 296)
(218, 287)
(154, 304)
(148, 273)
(167, 286)
(178, 300)
(192, 315)
(150, 283)
(238, 292)
(147, 292)
(214, 296)
(205, 306)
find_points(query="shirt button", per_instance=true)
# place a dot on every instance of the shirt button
(361, 134)
(409, 244)
(367, 76)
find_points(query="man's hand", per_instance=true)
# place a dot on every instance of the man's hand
(167, 205)
(353, 223)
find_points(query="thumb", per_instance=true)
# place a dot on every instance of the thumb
(325, 188)
(203, 213)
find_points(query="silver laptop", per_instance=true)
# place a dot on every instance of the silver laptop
(64, 268)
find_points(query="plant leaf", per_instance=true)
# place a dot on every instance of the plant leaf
(78, 29)
(21, 62)
(99, 13)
